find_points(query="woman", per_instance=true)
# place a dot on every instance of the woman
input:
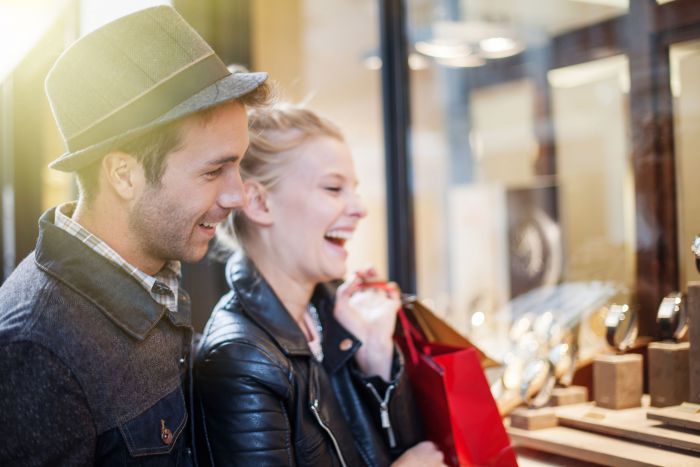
(290, 371)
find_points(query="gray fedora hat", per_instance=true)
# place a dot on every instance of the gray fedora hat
(132, 75)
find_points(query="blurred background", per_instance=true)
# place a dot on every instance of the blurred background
(503, 146)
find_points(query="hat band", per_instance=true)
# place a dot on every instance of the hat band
(153, 103)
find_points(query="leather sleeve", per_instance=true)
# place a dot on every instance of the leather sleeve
(44, 417)
(242, 392)
(405, 417)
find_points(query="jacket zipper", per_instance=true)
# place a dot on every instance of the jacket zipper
(314, 409)
(384, 412)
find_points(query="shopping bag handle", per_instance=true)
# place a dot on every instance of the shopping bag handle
(409, 333)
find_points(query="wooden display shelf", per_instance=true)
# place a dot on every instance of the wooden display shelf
(601, 449)
(628, 423)
(686, 415)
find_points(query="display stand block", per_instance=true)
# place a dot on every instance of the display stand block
(693, 305)
(668, 373)
(533, 419)
(569, 395)
(617, 381)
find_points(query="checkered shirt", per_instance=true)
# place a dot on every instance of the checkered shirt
(163, 287)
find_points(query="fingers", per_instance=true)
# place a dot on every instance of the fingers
(432, 455)
(393, 290)
(424, 454)
(364, 278)
(367, 274)
(350, 286)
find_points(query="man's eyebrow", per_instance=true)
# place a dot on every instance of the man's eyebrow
(223, 160)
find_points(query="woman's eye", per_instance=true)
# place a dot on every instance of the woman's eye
(335, 189)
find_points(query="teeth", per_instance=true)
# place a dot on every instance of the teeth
(340, 234)
(208, 225)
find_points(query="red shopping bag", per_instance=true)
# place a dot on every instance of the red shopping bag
(452, 393)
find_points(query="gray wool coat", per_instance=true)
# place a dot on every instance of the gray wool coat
(92, 369)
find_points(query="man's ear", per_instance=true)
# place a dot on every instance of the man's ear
(123, 174)
(257, 208)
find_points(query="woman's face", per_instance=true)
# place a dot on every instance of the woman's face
(315, 210)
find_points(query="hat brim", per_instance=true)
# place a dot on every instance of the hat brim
(229, 88)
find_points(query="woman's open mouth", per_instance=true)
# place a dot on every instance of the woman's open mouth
(338, 237)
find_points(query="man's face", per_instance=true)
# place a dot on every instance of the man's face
(200, 186)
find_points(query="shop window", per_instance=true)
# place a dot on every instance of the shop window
(685, 86)
(522, 179)
(594, 177)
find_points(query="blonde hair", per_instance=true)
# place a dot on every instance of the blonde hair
(275, 133)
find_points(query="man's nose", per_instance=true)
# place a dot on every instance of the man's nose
(232, 194)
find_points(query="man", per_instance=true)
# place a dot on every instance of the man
(95, 335)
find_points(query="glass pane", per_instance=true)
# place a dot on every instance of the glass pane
(596, 194)
(685, 86)
(494, 226)
(312, 49)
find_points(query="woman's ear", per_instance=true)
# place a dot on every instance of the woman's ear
(257, 209)
(123, 174)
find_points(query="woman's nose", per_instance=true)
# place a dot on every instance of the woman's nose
(356, 207)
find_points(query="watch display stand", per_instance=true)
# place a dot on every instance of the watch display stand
(568, 395)
(668, 373)
(533, 419)
(617, 381)
(694, 337)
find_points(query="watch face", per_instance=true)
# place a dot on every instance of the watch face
(672, 317)
(668, 308)
(696, 246)
(615, 314)
(621, 325)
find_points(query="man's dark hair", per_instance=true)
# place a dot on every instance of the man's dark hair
(151, 149)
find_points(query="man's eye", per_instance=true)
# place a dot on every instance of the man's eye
(213, 173)
(335, 189)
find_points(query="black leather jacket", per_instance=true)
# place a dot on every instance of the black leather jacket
(264, 400)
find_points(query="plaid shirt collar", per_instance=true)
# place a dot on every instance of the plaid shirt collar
(163, 287)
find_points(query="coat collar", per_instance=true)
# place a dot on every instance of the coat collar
(261, 304)
(119, 296)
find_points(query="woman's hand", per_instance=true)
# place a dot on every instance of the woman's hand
(424, 454)
(367, 308)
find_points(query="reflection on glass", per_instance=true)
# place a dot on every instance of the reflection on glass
(596, 186)
(470, 33)
(498, 238)
(685, 86)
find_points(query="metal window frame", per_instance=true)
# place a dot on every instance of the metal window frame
(396, 116)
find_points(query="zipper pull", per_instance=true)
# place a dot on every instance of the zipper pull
(386, 424)
(384, 411)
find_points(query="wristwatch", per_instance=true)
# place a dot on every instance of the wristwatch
(621, 326)
(672, 317)
(696, 251)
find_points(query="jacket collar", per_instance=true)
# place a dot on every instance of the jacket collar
(119, 296)
(261, 304)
